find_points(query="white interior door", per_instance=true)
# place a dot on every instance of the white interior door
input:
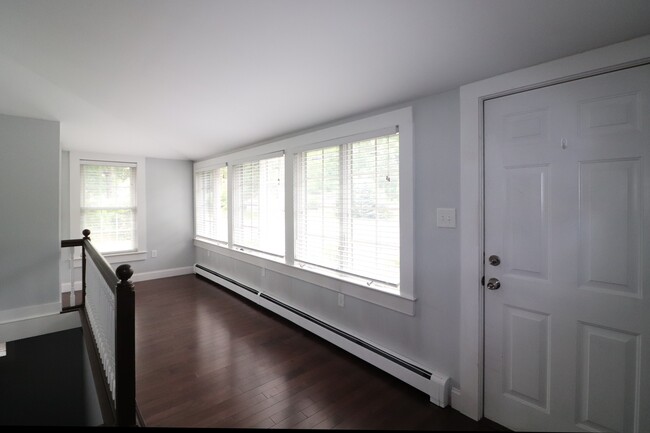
(567, 212)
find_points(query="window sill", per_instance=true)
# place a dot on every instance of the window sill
(384, 298)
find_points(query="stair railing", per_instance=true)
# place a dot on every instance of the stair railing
(107, 310)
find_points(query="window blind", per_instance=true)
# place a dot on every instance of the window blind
(258, 205)
(211, 203)
(108, 205)
(346, 207)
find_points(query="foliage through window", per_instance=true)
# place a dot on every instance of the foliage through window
(349, 211)
(211, 203)
(108, 205)
(258, 205)
(347, 208)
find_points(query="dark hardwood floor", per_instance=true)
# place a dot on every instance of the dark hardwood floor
(206, 357)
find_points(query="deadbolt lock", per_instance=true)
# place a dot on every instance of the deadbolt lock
(494, 260)
(493, 284)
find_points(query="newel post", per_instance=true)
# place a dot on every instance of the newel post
(86, 237)
(125, 348)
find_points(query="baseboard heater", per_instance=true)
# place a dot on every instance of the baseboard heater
(437, 386)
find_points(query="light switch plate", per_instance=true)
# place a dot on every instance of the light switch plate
(446, 217)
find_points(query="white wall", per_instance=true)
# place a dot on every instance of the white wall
(430, 338)
(29, 217)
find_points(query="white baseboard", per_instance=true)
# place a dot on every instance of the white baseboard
(41, 325)
(32, 327)
(455, 397)
(436, 385)
(143, 276)
(29, 312)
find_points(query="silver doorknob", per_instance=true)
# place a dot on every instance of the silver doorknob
(494, 260)
(493, 284)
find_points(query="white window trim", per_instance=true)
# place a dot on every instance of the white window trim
(141, 214)
(231, 210)
(341, 141)
(198, 167)
(404, 301)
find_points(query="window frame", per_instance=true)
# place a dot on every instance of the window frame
(198, 168)
(344, 141)
(400, 299)
(76, 160)
(231, 208)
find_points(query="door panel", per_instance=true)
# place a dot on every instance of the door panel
(608, 383)
(526, 371)
(526, 243)
(567, 210)
(610, 226)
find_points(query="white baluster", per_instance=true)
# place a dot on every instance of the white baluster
(100, 307)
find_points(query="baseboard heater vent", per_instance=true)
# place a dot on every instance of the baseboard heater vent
(228, 279)
(437, 386)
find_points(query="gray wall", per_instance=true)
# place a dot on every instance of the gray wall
(29, 215)
(170, 220)
(431, 336)
(170, 214)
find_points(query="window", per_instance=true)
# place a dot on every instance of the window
(258, 205)
(106, 197)
(108, 205)
(332, 207)
(347, 208)
(211, 203)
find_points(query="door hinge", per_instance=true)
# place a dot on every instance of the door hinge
(483, 280)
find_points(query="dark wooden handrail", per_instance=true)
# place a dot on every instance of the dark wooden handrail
(102, 265)
(72, 243)
(124, 407)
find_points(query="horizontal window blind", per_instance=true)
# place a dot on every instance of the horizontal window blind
(258, 205)
(211, 203)
(346, 204)
(108, 205)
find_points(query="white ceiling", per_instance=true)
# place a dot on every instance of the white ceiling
(190, 79)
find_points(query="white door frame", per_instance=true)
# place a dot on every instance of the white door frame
(469, 398)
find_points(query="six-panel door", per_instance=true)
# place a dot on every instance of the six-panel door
(567, 210)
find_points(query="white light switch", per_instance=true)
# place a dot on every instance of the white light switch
(446, 217)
